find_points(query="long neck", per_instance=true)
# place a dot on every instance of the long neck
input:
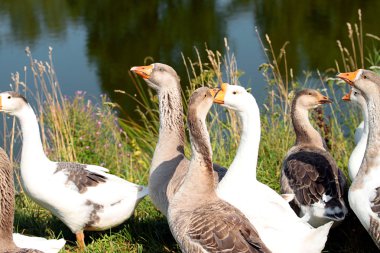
(171, 134)
(365, 119)
(305, 132)
(245, 161)
(198, 185)
(32, 148)
(6, 202)
(372, 153)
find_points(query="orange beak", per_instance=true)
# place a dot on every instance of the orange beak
(214, 91)
(323, 99)
(219, 95)
(347, 97)
(143, 71)
(348, 77)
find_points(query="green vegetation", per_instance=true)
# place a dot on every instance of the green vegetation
(76, 129)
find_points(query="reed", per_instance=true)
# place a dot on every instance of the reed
(78, 129)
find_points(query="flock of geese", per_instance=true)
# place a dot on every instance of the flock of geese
(209, 208)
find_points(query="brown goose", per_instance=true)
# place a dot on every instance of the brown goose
(309, 171)
(198, 219)
(169, 164)
(364, 193)
(7, 209)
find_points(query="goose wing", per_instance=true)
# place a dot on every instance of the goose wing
(219, 227)
(312, 176)
(374, 228)
(80, 176)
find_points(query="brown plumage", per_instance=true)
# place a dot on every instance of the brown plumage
(7, 208)
(198, 219)
(311, 174)
(169, 164)
(308, 170)
(77, 174)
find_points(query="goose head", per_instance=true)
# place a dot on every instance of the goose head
(355, 96)
(12, 102)
(310, 99)
(158, 76)
(200, 102)
(366, 81)
(233, 97)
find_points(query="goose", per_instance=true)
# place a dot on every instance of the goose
(198, 219)
(361, 132)
(364, 192)
(277, 224)
(17, 243)
(169, 164)
(309, 171)
(84, 197)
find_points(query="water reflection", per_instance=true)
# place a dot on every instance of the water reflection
(312, 27)
(120, 34)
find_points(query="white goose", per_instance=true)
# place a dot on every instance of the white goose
(277, 224)
(361, 133)
(364, 193)
(17, 243)
(84, 197)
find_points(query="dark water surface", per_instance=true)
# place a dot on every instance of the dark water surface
(95, 43)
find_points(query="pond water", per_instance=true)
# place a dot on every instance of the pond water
(95, 43)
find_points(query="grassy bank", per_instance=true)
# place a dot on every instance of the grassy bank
(76, 129)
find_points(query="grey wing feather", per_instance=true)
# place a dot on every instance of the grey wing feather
(310, 175)
(376, 203)
(78, 175)
(219, 227)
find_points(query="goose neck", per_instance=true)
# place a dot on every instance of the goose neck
(365, 119)
(171, 133)
(32, 148)
(245, 160)
(305, 132)
(198, 184)
(171, 114)
(372, 154)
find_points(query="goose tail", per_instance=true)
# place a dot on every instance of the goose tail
(317, 238)
(39, 243)
(336, 210)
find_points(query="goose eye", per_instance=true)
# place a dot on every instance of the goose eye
(355, 93)
(310, 93)
(9, 97)
(161, 69)
(364, 77)
(234, 92)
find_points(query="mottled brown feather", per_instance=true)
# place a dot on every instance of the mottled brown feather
(77, 174)
(7, 208)
(219, 226)
(310, 174)
(375, 203)
(374, 230)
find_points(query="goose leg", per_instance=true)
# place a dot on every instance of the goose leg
(80, 241)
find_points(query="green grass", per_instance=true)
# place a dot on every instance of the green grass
(93, 133)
